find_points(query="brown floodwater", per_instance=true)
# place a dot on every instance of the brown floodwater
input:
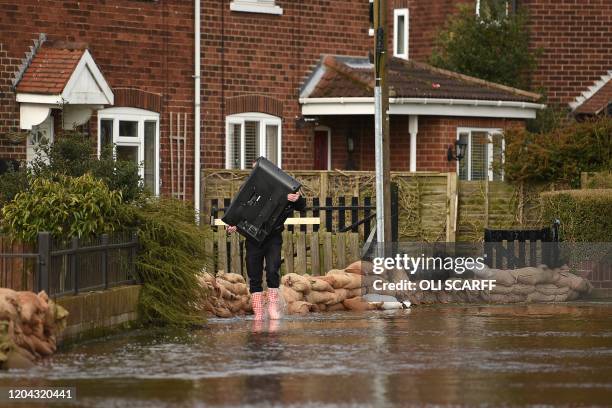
(528, 355)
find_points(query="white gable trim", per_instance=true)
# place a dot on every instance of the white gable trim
(85, 70)
(593, 89)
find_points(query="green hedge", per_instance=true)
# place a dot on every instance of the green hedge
(585, 215)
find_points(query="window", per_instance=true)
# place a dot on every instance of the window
(256, 6)
(249, 136)
(484, 154)
(135, 136)
(494, 9)
(400, 33)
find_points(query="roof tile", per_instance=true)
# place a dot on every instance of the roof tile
(49, 70)
(353, 77)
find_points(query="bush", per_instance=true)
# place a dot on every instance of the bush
(171, 257)
(73, 154)
(559, 156)
(585, 215)
(65, 206)
(492, 46)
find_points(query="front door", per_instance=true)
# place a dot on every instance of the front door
(321, 152)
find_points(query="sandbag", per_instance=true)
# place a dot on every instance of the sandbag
(552, 289)
(537, 297)
(360, 268)
(290, 295)
(358, 305)
(574, 282)
(338, 307)
(320, 285)
(522, 289)
(501, 290)
(317, 297)
(502, 277)
(231, 277)
(355, 292)
(532, 275)
(296, 282)
(341, 278)
(298, 307)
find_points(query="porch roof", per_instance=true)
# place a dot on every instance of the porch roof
(57, 76)
(351, 80)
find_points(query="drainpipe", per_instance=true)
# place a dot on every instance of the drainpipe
(196, 76)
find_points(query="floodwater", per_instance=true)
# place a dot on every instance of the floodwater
(528, 355)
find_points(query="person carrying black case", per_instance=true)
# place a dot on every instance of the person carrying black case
(270, 251)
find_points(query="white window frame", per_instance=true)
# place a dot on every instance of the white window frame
(264, 120)
(399, 13)
(468, 150)
(329, 146)
(478, 4)
(371, 29)
(135, 115)
(256, 6)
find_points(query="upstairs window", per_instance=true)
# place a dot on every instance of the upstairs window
(256, 6)
(484, 156)
(400, 33)
(249, 136)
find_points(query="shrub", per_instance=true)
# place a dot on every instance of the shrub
(65, 206)
(559, 156)
(492, 46)
(585, 215)
(11, 183)
(72, 154)
(172, 255)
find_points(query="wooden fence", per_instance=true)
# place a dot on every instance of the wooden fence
(302, 252)
(432, 206)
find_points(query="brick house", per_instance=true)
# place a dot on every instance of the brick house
(267, 67)
(293, 82)
(120, 70)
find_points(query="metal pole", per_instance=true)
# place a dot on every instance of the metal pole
(381, 125)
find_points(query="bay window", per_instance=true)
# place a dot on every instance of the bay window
(249, 136)
(135, 136)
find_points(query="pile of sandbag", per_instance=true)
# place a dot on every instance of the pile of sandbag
(533, 285)
(29, 325)
(228, 294)
(524, 285)
(339, 289)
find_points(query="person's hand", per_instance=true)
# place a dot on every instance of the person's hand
(231, 229)
(293, 197)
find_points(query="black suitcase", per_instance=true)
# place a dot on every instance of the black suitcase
(261, 200)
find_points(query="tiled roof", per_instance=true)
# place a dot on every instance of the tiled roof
(49, 70)
(353, 77)
(596, 102)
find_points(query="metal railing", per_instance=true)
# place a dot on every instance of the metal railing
(67, 267)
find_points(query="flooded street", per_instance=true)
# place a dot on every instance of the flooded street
(535, 355)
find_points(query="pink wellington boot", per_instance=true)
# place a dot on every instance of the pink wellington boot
(274, 305)
(257, 300)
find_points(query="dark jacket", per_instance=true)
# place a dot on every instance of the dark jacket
(299, 205)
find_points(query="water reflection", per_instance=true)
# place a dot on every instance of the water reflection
(521, 355)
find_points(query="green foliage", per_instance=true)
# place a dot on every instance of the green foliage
(171, 257)
(599, 180)
(492, 46)
(561, 155)
(73, 154)
(11, 183)
(65, 206)
(584, 214)
(548, 119)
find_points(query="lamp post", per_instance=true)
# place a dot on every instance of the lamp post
(381, 125)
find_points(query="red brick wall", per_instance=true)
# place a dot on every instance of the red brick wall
(435, 135)
(575, 37)
(9, 111)
(260, 54)
(143, 45)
